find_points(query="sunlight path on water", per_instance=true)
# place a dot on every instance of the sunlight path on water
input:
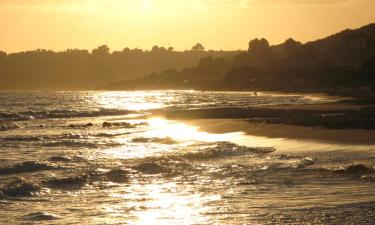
(164, 136)
(181, 131)
(190, 99)
(160, 201)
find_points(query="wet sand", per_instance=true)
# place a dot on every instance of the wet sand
(337, 106)
(347, 120)
(344, 136)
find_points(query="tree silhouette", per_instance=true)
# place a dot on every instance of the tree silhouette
(290, 44)
(81, 69)
(258, 45)
(3, 55)
(157, 49)
(198, 47)
(101, 50)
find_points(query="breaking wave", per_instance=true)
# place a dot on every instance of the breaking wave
(26, 167)
(27, 115)
(151, 168)
(80, 144)
(166, 140)
(19, 187)
(225, 149)
(40, 216)
(4, 126)
(72, 182)
(60, 159)
(356, 169)
(118, 175)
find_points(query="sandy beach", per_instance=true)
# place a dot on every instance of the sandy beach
(348, 136)
(335, 106)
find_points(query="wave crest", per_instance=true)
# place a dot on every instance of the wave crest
(40, 216)
(26, 167)
(226, 149)
(19, 187)
(4, 126)
(72, 182)
(356, 169)
(27, 115)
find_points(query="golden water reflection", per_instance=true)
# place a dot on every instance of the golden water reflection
(163, 203)
(182, 135)
(181, 131)
(160, 200)
(172, 136)
(132, 100)
(165, 200)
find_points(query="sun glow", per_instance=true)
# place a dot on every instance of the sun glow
(147, 5)
(163, 137)
(180, 131)
(144, 23)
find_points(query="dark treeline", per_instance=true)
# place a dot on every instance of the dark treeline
(81, 69)
(344, 61)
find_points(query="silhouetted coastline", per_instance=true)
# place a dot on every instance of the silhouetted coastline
(341, 63)
(79, 69)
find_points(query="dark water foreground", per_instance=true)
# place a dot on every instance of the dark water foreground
(87, 158)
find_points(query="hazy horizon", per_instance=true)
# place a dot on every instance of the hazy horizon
(244, 48)
(142, 24)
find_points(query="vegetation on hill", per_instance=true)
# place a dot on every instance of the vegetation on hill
(81, 69)
(344, 61)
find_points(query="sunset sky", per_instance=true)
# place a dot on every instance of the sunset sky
(217, 24)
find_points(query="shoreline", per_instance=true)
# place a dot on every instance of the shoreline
(350, 121)
(333, 106)
(342, 136)
(353, 113)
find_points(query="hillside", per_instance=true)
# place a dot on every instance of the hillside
(344, 60)
(83, 70)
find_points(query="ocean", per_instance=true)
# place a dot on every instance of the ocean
(71, 157)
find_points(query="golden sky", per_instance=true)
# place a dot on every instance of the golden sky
(217, 24)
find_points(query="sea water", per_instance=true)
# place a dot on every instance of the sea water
(102, 158)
